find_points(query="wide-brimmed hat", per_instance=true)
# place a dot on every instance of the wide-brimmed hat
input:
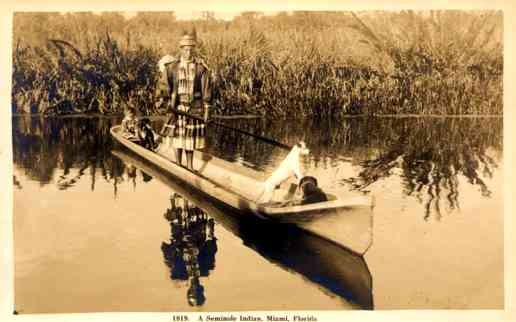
(188, 39)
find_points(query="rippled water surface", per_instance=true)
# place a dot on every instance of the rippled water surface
(98, 229)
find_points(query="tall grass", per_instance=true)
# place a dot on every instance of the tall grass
(59, 79)
(309, 64)
(451, 59)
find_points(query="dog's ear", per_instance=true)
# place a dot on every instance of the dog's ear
(302, 147)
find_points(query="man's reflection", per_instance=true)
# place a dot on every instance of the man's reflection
(190, 253)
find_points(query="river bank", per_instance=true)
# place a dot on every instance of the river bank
(275, 66)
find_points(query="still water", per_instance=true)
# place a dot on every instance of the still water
(97, 229)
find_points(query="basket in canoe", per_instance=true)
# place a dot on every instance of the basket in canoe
(238, 187)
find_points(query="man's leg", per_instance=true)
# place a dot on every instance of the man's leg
(189, 159)
(179, 156)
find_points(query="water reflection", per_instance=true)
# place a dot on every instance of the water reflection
(436, 160)
(431, 156)
(333, 268)
(43, 145)
(190, 253)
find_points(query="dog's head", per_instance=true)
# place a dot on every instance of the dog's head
(303, 150)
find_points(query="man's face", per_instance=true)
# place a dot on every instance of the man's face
(187, 52)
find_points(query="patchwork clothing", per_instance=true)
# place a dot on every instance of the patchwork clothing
(187, 86)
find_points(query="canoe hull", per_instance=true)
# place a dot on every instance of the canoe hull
(319, 260)
(238, 187)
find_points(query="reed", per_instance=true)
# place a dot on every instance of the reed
(59, 79)
(306, 65)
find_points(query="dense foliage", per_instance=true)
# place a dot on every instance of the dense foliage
(305, 64)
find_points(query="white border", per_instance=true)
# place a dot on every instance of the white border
(6, 251)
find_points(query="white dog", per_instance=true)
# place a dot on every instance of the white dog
(289, 167)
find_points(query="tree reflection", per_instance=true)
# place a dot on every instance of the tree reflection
(432, 156)
(79, 147)
(42, 145)
(190, 253)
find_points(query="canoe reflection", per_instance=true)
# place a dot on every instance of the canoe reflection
(320, 261)
(190, 253)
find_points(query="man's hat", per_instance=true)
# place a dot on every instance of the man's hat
(189, 38)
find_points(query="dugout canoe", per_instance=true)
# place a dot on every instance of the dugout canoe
(320, 261)
(238, 187)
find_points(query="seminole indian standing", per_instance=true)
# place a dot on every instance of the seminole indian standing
(185, 84)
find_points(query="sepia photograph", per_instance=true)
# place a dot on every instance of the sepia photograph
(256, 161)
